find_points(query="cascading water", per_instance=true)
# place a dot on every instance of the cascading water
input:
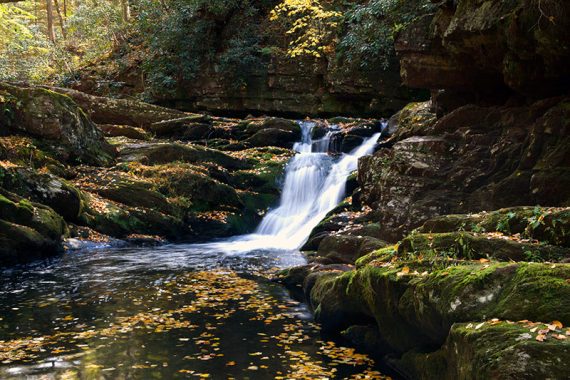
(315, 183)
(180, 293)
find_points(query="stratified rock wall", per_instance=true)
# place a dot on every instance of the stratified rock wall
(473, 159)
(485, 46)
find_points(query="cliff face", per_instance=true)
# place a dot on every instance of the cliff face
(487, 50)
(298, 87)
(496, 131)
(272, 82)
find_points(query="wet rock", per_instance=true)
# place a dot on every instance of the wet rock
(28, 230)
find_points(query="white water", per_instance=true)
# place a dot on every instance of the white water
(315, 183)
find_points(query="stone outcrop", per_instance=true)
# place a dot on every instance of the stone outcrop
(57, 169)
(459, 286)
(56, 120)
(473, 159)
(489, 47)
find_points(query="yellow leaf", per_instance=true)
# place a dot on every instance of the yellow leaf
(558, 324)
(541, 337)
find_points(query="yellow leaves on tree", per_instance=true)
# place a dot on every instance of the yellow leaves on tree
(311, 25)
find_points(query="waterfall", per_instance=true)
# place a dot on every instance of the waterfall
(315, 183)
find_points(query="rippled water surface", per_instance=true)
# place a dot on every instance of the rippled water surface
(186, 311)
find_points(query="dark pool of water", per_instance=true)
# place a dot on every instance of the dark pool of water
(180, 311)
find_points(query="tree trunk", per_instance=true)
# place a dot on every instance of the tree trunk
(61, 19)
(126, 8)
(50, 27)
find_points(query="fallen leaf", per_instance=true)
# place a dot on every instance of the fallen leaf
(541, 337)
(558, 324)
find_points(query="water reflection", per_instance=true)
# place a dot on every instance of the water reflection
(180, 311)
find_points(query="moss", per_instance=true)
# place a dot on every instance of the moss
(381, 255)
(474, 246)
(496, 350)
(550, 225)
(27, 230)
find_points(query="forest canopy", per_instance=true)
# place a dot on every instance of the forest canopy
(49, 40)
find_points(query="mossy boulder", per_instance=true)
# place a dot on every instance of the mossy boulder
(28, 230)
(347, 248)
(493, 350)
(475, 246)
(47, 189)
(45, 114)
(162, 153)
(415, 306)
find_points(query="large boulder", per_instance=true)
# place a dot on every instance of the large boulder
(56, 120)
(28, 230)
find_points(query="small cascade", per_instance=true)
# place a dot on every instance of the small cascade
(315, 183)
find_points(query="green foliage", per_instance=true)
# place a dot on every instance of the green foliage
(86, 31)
(504, 224)
(186, 37)
(369, 30)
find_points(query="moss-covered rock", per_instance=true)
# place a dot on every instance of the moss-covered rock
(44, 188)
(120, 221)
(56, 118)
(545, 224)
(474, 246)
(28, 230)
(493, 350)
(414, 303)
(162, 153)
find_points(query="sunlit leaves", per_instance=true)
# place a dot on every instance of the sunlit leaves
(310, 25)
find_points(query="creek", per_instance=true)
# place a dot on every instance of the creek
(185, 311)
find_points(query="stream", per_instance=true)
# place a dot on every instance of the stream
(185, 311)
